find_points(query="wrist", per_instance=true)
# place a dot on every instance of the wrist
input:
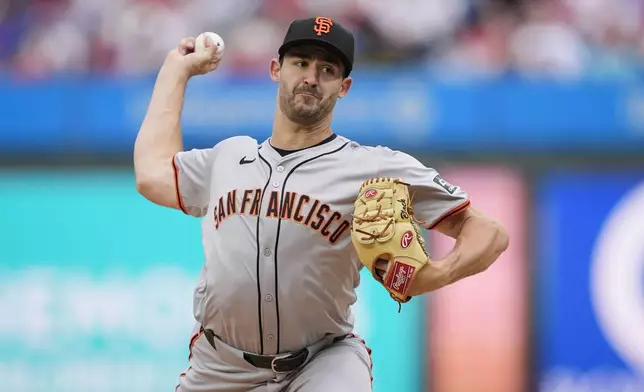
(174, 72)
(433, 276)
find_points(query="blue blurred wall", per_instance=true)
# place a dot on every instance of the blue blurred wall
(402, 110)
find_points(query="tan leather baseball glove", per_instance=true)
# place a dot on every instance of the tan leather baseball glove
(384, 227)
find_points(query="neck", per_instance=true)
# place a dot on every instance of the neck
(288, 135)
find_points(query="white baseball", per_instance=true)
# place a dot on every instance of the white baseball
(200, 43)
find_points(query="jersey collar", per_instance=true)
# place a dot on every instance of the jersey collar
(274, 157)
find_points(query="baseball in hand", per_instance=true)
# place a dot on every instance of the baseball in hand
(216, 40)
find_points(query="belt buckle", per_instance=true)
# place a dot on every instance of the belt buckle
(276, 358)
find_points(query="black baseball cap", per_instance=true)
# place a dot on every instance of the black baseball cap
(324, 32)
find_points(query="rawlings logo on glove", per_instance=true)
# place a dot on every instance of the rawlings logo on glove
(384, 228)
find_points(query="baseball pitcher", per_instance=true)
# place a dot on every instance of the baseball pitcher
(288, 223)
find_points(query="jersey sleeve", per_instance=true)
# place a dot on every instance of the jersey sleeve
(434, 199)
(192, 174)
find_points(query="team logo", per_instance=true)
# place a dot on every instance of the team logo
(369, 193)
(322, 25)
(406, 239)
(400, 278)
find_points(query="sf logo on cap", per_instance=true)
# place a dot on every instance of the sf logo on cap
(322, 25)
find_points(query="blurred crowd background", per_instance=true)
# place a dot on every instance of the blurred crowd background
(535, 108)
(563, 38)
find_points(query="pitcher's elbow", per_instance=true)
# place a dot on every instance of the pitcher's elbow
(144, 183)
(140, 185)
(503, 238)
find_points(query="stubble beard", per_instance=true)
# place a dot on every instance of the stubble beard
(305, 110)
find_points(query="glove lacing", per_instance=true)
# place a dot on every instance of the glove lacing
(380, 216)
(377, 217)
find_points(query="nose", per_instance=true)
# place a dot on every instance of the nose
(311, 76)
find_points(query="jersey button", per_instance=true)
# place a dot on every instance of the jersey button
(267, 252)
(270, 337)
(280, 169)
(268, 298)
(276, 184)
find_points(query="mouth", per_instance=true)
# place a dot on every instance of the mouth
(307, 94)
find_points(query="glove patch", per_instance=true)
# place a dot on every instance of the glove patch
(400, 278)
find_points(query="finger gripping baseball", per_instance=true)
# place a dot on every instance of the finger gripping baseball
(384, 227)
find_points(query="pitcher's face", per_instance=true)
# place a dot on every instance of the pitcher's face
(310, 82)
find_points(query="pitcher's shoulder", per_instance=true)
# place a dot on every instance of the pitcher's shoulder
(238, 141)
(364, 150)
(222, 150)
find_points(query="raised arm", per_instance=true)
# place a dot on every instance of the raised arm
(159, 138)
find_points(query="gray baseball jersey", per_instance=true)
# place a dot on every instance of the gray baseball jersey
(280, 271)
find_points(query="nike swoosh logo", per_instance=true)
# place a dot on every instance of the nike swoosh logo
(243, 161)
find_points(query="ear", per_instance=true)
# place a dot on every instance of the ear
(275, 70)
(346, 86)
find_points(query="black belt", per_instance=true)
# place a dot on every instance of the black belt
(278, 363)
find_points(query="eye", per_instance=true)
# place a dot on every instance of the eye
(327, 69)
(300, 63)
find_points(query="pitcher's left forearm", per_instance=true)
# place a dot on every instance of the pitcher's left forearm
(479, 243)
